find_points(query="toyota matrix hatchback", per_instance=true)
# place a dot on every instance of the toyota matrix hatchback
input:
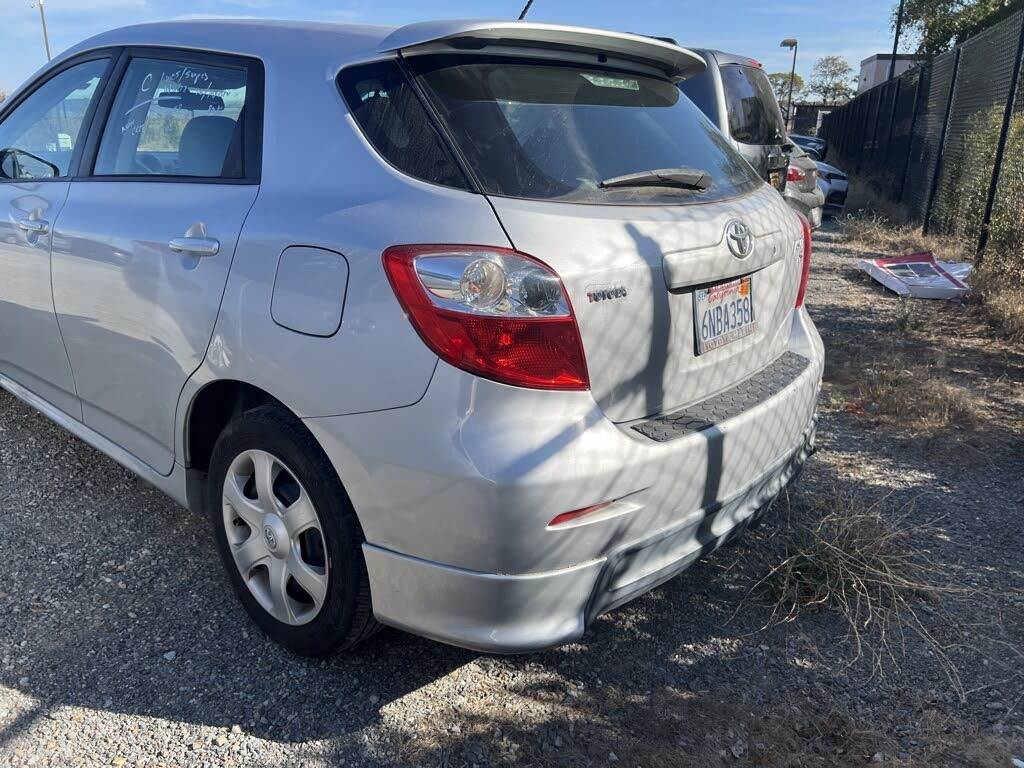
(475, 329)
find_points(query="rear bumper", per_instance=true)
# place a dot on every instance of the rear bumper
(455, 495)
(514, 614)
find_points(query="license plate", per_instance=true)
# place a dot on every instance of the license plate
(775, 178)
(723, 313)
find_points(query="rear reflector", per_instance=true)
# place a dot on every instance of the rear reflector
(565, 517)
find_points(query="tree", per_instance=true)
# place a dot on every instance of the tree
(941, 24)
(780, 84)
(833, 80)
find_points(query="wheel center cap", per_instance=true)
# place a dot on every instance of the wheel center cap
(275, 536)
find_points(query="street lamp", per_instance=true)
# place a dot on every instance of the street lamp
(790, 42)
(42, 18)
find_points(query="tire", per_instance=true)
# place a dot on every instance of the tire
(343, 616)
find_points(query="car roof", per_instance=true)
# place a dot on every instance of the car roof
(722, 58)
(242, 36)
(271, 38)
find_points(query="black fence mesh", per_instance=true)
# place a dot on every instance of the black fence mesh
(984, 77)
(927, 139)
(1005, 246)
(935, 139)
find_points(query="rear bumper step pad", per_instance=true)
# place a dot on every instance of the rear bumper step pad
(766, 383)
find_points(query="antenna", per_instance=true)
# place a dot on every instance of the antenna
(526, 10)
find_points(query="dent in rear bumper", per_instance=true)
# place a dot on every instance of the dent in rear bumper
(520, 613)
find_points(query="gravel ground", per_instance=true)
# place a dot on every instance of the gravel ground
(120, 643)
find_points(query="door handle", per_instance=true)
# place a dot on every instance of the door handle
(35, 226)
(195, 246)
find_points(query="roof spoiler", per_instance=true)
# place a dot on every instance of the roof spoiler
(474, 34)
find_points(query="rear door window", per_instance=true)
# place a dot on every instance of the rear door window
(175, 118)
(754, 115)
(554, 131)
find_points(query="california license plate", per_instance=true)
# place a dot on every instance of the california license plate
(723, 313)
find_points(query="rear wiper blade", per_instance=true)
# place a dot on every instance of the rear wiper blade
(683, 178)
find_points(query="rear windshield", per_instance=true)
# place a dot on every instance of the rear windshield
(547, 131)
(754, 115)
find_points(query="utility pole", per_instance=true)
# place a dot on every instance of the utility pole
(42, 18)
(526, 10)
(790, 42)
(896, 40)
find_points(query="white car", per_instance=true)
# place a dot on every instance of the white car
(835, 184)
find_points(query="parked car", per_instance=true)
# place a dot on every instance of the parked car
(817, 148)
(835, 184)
(802, 191)
(484, 334)
(736, 95)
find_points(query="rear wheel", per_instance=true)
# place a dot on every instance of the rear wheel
(288, 535)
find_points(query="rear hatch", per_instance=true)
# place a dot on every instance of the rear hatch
(755, 120)
(640, 263)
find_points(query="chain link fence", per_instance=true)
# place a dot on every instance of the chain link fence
(945, 141)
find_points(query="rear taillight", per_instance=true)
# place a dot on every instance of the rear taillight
(493, 312)
(805, 265)
(795, 174)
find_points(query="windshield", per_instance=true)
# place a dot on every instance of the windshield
(554, 131)
(754, 114)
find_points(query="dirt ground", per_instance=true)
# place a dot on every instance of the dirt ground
(120, 643)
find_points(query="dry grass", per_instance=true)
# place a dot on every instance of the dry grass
(908, 385)
(877, 226)
(916, 394)
(1001, 302)
(867, 563)
(874, 233)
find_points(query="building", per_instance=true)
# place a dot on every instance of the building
(807, 117)
(875, 69)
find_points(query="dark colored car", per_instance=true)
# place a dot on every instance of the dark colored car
(812, 145)
(734, 92)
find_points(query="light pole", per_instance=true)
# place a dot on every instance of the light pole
(790, 42)
(896, 40)
(42, 18)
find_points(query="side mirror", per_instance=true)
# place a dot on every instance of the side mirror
(19, 164)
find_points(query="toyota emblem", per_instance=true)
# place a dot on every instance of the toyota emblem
(740, 241)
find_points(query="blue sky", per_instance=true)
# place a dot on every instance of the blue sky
(851, 28)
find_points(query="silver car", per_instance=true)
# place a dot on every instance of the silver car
(803, 192)
(475, 329)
